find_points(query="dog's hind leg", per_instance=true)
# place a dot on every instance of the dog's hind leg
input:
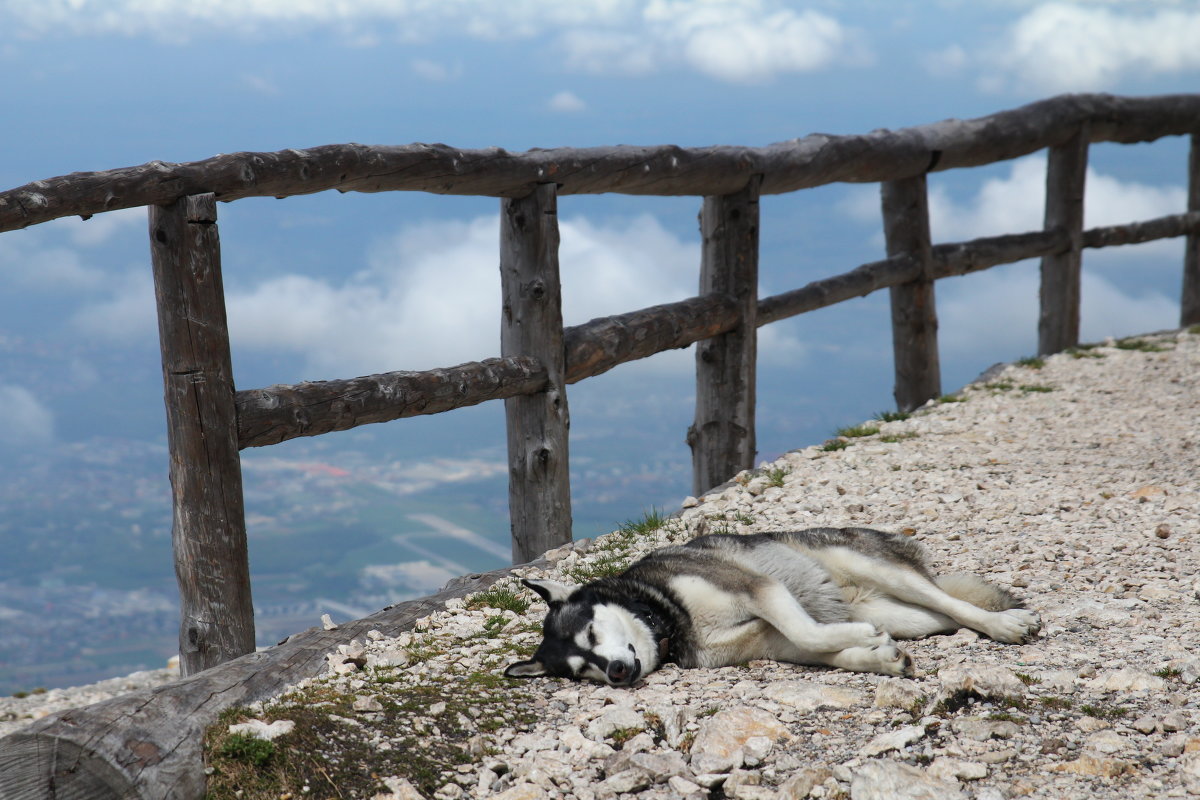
(909, 586)
(779, 607)
(901, 620)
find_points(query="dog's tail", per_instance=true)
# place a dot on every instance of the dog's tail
(978, 592)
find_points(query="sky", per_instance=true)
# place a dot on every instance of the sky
(333, 286)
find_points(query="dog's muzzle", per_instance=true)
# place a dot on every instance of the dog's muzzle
(621, 673)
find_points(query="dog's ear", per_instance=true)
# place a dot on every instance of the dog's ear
(525, 669)
(551, 591)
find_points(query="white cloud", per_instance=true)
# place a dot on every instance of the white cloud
(415, 576)
(608, 52)
(49, 257)
(435, 71)
(746, 42)
(260, 84)
(430, 296)
(566, 102)
(737, 41)
(127, 315)
(996, 312)
(1058, 47)
(730, 40)
(947, 62)
(24, 420)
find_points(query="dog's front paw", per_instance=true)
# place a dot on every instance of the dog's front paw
(1014, 626)
(894, 661)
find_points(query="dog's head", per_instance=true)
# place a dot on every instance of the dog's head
(586, 637)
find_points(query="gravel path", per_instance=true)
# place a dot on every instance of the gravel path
(1076, 480)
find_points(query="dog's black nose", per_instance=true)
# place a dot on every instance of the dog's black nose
(618, 672)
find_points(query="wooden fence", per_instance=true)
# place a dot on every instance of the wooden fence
(209, 421)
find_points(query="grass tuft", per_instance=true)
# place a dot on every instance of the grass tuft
(1140, 345)
(249, 749)
(502, 598)
(775, 475)
(892, 416)
(1031, 362)
(858, 431)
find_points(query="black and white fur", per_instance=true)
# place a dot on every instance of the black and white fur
(831, 596)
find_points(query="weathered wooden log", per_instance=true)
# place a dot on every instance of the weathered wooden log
(722, 436)
(961, 258)
(278, 413)
(147, 745)
(662, 170)
(1058, 321)
(209, 530)
(858, 282)
(914, 310)
(539, 482)
(598, 346)
(1189, 305)
(1145, 231)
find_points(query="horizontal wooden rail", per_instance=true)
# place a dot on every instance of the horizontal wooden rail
(814, 160)
(1137, 232)
(598, 346)
(278, 413)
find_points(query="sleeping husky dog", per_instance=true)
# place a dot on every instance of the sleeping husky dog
(832, 596)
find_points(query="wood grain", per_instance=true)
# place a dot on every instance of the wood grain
(539, 482)
(1058, 320)
(914, 311)
(722, 437)
(209, 529)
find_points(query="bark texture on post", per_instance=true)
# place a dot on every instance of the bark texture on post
(914, 310)
(1189, 306)
(539, 483)
(209, 530)
(1058, 323)
(722, 437)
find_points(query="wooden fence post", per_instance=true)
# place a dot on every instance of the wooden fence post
(722, 437)
(539, 482)
(1058, 323)
(209, 531)
(1189, 307)
(914, 308)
